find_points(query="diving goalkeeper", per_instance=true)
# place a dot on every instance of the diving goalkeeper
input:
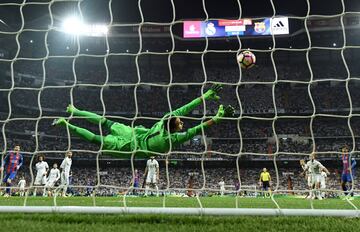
(159, 138)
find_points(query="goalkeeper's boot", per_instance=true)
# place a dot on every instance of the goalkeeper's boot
(70, 108)
(59, 121)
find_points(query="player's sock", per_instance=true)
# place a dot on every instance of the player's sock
(157, 190)
(146, 190)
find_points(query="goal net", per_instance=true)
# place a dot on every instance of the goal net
(132, 62)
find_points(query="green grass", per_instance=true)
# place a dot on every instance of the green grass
(98, 222)
(207, 202)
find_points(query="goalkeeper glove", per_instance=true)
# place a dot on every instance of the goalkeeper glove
(212, 93)
(227, 111)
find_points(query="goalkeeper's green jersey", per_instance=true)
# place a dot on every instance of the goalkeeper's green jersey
(155, 139)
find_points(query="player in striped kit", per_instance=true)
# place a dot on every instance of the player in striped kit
(315, 168)
(348, 172)
(10, 165)
(65, 172)
(42, 168)
(53, 177)
(152, 175)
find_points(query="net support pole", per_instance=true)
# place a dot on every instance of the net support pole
(181, 211)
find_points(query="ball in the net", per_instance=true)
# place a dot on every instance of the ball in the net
(246, 59)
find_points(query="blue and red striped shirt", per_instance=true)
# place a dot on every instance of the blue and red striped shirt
(137, 178)
(347, 163)
(12, 162)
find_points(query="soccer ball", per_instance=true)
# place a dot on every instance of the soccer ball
(246, 59)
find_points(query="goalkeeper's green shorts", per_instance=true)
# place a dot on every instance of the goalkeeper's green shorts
(119, 139)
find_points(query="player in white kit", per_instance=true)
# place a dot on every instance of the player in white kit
(222, 187)
(152, 175)
(54, 176)
(315, 168)
(21, 186)
(65, 172)
(42, 168)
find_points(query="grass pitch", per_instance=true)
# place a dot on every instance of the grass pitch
(98, 222)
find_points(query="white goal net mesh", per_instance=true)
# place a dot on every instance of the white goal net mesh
(129, 62)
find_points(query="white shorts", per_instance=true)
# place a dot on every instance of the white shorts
(151, 178)
(316, 178)
(323, 185)
(22, 189)
(40, 180)
(50, 183)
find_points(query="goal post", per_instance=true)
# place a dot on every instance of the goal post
(51, 62)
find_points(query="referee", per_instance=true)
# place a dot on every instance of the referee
(265, 179)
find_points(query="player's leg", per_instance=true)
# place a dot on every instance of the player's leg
(9, 182)
(43, 183)
(310, 187)
(153, 182)
(313, 187)
(45, 189)
(81, 132)
(66, 184)
(8, 187)
(37, 183)
(136, 186)
(4, 182)
(318, 192)
(63, 181)
(343, 183)
(34, 191)
(266, 188)
(323, 187)
(156, 188)
(350, 179)
(147, 186)
(91, 117)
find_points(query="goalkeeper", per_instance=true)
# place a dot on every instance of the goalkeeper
(159, 138)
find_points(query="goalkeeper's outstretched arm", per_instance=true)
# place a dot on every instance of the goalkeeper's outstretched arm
(180, 138)
(211, 94)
